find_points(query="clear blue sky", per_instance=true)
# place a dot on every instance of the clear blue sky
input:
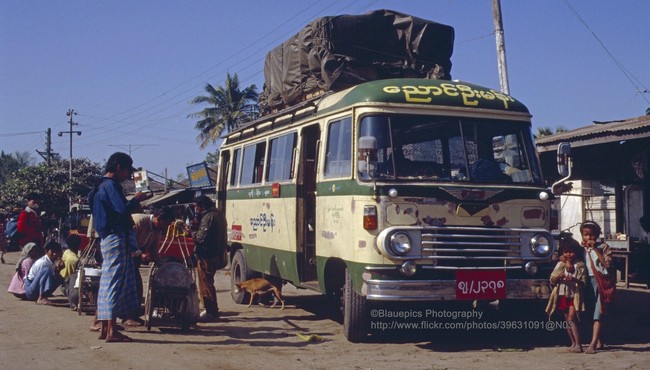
(129, 68)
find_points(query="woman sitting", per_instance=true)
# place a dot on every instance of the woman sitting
(31, 252)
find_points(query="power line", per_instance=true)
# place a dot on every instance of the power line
(21, 133)
(130, 146)
(620, 65)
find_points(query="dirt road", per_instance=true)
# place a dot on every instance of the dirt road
(259, 337)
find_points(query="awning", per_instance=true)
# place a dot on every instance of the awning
(169, 198)
(598, 133)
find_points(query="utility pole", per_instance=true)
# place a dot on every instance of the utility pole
(501, 46)
(70, 114)
(48, 155)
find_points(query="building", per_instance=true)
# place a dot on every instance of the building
(610, 185)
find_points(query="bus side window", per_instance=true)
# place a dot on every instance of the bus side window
(280, 157)
(253, 164)
(234, 174)
(338, 162)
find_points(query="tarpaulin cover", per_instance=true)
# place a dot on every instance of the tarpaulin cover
(334, 53)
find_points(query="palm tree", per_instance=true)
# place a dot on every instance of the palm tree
(230, 107)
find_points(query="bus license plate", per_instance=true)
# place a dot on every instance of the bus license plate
(480, 284)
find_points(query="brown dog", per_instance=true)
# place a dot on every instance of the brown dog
(259, 286)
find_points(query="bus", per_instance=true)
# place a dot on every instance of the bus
(396, 190)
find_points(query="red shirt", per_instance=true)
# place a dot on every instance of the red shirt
(30, 229)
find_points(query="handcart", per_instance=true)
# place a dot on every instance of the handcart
(172, 298)
(88, 275)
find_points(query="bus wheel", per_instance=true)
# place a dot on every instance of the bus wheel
(239, 272)
(354, 312)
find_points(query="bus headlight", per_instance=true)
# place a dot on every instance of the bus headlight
(541, 245)
(400, 243)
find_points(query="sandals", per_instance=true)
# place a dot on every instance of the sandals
(118, 338)
(132, 323)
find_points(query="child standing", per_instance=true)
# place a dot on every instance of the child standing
(597, 258)
(569, 279)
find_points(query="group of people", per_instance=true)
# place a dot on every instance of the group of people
(577, 289)
(124, 234)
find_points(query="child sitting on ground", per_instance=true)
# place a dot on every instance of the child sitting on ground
(569, 279)
(31, 252)
(70, 260)
(43, 277)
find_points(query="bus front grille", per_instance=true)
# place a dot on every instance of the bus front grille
(471, 247)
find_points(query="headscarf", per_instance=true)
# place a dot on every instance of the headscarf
(24, 255)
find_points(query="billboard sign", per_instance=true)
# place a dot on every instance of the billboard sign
(141, 180)
(198, 175)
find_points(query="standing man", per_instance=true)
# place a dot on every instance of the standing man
(147, 234)
(210, 241)
(112, 218)
(29, 222)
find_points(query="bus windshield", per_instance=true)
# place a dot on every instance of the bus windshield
(456, 149)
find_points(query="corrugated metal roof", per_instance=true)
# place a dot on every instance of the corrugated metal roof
(598, 133)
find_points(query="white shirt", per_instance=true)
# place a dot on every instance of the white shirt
(41, 263)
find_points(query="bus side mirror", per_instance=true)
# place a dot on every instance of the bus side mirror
(563, 158)
(367, 155)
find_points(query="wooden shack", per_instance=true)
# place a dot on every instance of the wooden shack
(610, 184)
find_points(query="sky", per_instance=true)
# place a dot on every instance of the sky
(129, 69)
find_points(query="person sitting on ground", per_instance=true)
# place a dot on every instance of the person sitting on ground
(42, 278)
(70, 260)
(31, 252)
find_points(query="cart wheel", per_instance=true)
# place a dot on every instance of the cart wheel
(80, 303)
(148, 303)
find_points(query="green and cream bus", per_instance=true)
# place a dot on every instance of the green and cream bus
(395, 190)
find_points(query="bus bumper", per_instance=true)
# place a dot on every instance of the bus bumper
(445, 290)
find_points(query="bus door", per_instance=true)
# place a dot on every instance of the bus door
(224, 164)
(306, 203)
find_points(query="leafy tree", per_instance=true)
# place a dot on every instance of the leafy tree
(229, 107)
(547, 131)
(212, 158)
(543, 131)
(52, 183)
(10, 163)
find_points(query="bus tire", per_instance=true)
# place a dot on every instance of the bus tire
(354, 312)
(239, 272)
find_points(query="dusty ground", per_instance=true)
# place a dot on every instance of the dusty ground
(42, 337)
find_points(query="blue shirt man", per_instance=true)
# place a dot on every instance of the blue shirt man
(117, 294)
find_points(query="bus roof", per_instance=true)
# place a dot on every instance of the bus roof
(405, 91)
(423, 92)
